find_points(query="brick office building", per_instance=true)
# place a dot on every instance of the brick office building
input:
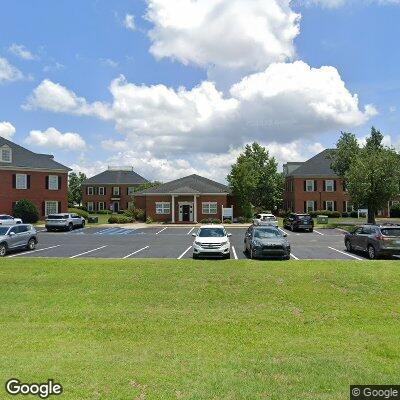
(189, 199)
(31, 176)
(312, 185)
(111, 189)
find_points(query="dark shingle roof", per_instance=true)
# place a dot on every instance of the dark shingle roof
(116, 177)
(24, 158)
(319, 165)
(192, 184)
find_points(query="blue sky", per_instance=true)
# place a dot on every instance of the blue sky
(59, 59)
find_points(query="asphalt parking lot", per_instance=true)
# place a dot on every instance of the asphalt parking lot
(173, 242)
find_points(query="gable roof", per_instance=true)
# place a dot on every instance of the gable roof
(319, 165)
(192, 184)
(24, 158)
(116, 177)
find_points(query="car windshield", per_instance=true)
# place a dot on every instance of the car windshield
(391, 232)
(304, 217)
(3, 230)
(266, 233)
(211, 232)
(269, 218)
(57, 216)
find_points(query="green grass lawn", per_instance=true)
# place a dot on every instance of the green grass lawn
(167, 329)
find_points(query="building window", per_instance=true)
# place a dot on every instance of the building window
(21, 181)
(329, 205)
(51, 207)
(116, 191)
(90, 190)
(163, 208)
(330, 186)
(101, 191)
(309, 186)
(90, 206)
(130, 205)
(310, 205)
(209, 208)
(131, 191)
(101, 206)
(5, 154)
(53, 182)
(348, 207)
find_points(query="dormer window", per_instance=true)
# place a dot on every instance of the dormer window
(5, 154)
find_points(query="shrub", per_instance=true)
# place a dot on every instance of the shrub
(27, 211)
(149, 220)
(120, 212)
(345, 215)
(81, 213)
(119, 219)
(227, 221)
(206, 221)
(216, 221)
(104, 212)
(330, 214)
(135, 213)
(354, 214)
(395, 211)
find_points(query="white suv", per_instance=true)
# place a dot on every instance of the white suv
(8, 220)
(211, 241)
(265, 219)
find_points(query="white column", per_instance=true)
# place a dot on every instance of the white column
(195, 209)
(173, 209)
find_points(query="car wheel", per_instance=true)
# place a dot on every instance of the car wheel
(371, 252)
(228, 256)
(251, 254)
(83, 224)
(286, 257)
(311, 230)
(70, 226)
(349, 247)
(31, 244)
(195, 257)
(3, 249)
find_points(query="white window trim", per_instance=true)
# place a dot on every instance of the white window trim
(7, 148)
(330, 202)
(332, 187)
(116, 192)
(313, 185)
(163, 207)
(131, 190)
(348, 210)
(55, 180)
(25, 185)
(101, 205)
(90, 206)
(207, 206)
(310, 209)
(90, 190)
(47, 204)
(101, 190)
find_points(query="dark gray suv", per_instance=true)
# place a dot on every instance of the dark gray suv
(21, 236)
(376, 240)
(265, 241)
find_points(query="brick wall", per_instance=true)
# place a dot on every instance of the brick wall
(37, 193)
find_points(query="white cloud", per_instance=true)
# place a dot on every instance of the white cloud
(109, 63)
(129, 22)
(9, 73)
(282, 103)
(21, 51)
(339, 3)
(57, 98)
(7, 130)
(53, 138)
(232, 34)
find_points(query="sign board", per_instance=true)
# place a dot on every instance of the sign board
(227, 212)
(362, 212)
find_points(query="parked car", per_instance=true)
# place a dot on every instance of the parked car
(298, 221)
(66, 222)
(8, 220)
(265, 219)
(211, 241)
(376, 240)
(266, 242)
(17, 237)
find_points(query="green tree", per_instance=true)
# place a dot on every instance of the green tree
(74, 187)
(27, 211)
(347, 148)
(372, 174)
(255, 181)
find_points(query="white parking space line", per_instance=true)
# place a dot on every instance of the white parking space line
(234, 252)
(319, 233)
(346, 254)
(293, 256)
(191, 230)
(184, 252)
(163, 229)
(87, 252)
(284, 231)
(33, 251)
(137, 251)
